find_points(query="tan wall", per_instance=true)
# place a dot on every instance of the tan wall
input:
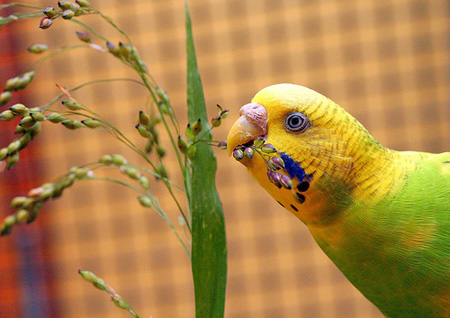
(386, 62)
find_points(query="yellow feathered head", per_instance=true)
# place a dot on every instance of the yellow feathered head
(314, 137)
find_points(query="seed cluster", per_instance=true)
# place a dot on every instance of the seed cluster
(147, 128)
(194, 129)
(102, 285)
(27, 207)
(67, 10)
(130, 55)
(273, 163)
(30, 126)
(276, 163)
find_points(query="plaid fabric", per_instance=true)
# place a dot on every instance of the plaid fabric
(386, 62)
(23, 279)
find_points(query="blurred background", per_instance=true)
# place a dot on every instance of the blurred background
(386, 62)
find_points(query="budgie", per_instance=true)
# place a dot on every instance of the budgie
(382, 216)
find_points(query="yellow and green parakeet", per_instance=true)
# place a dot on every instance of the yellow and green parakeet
(382, 216)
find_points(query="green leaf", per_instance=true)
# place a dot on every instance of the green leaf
(209, 251)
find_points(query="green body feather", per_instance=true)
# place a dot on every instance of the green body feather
(397, 251)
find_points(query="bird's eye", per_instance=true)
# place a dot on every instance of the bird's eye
(296, 122)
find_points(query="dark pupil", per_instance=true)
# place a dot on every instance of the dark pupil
(295, 121)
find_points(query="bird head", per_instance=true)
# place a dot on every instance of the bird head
(318, 143)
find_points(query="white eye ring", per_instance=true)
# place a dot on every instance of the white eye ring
(296, 122)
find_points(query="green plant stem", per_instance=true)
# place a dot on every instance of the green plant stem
(18, 16)
(17, 4)
(188, 225)
(155, 175)
(169, 188)
(156, 206)
(120, 136)
(92, 30)
(110, 21)
(38, 63)
(103, 286)
(97, 165)
(58, 97)
(172, 140)
(200, 139)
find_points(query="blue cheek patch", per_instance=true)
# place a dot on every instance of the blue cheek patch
(293, 168)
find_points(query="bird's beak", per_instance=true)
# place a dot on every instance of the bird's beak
(251, 124)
